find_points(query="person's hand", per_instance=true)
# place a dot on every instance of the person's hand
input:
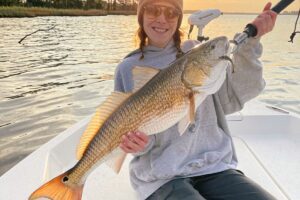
(134, 142)
(265, 22)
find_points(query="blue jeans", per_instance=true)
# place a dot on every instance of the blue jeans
(227, 185)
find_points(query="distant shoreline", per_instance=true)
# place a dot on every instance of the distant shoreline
(15, 12)
(18, 12)
(225, 13)
(242, 13)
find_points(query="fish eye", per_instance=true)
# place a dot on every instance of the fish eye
(213, 46)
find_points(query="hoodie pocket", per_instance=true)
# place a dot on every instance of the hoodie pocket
(204, 161)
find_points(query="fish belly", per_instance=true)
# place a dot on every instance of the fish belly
(164, 121)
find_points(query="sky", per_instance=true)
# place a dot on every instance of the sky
(235, 5)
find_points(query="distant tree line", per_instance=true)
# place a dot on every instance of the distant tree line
(79, 4)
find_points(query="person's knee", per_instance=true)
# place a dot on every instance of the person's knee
(177, 190)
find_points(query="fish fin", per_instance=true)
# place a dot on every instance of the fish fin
(183, 124)
(117, 160)
(192, 107)
(111, 103)
(189, 119)
(57, 190)
(141, 75)
(195, 77)
(199, 98)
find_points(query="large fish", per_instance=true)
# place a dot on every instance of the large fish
(160, 99)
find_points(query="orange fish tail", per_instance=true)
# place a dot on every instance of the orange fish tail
(57, 190)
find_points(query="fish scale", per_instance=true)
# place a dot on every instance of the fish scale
(145, 110)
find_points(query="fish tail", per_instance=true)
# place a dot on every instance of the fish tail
(56, 189)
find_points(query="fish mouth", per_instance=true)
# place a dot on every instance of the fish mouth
(225, 57)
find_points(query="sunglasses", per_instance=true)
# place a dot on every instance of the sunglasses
(153, 11)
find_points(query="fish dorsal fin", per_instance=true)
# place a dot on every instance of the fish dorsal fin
(195, 76)
(141, 75)
(102, 113)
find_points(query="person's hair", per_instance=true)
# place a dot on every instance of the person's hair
(142, 38)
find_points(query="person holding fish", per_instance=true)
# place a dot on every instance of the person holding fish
(201, 162)
(168, 109)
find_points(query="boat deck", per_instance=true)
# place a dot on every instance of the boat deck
(267, 141)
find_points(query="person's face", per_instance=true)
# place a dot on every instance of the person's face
(160, 22)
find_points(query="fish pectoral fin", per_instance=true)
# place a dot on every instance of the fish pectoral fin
(141, 75)
(111, 103)
(188, 119)
(116, 161)
(192, 107)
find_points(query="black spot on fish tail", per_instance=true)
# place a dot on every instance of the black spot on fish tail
(65, 179)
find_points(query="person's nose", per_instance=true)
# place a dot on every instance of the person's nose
(161, 18)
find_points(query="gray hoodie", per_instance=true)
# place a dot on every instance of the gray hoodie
(209, 148)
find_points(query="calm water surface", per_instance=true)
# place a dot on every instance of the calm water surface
(56, 78)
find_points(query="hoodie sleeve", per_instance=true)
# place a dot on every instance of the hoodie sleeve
(118, 81)
(246, 82)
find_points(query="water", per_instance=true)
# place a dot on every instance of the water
(55, 78)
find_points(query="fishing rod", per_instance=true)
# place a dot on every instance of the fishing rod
(251, 31)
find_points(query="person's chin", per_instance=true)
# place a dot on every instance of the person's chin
(161, 36)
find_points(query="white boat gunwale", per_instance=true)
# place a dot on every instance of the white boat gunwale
(259, 132)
